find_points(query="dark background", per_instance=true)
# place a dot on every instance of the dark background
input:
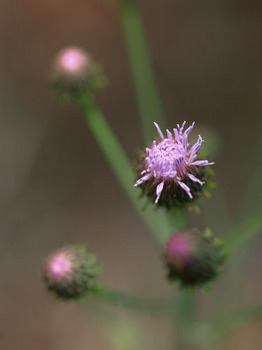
(55, 185)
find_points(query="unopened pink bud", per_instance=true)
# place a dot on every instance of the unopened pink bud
(71, 272)
(74, 71)
(180, 247)
(72, 63)
(193, 258)
(60, 265)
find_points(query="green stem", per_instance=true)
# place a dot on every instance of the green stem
(153, 306)
(244, 232)
(207, 334)
(216, 213)
(156, 220)
(251, 167)
(251, 198)
(184, 317)
(234, 240)
(147, 95)
(235, 320)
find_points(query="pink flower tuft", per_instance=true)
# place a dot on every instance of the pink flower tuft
(172, 160)
(71, 272)
(60, 265)
(179, 246)
(72, 62)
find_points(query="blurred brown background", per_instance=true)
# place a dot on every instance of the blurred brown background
(56, 187)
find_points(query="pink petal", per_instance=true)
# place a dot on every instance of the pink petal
(159, 190)
(188, 130)
(142, 179)
(169, 135)
(185, 188)
(201, 163)
(193, 178)
(159, 131)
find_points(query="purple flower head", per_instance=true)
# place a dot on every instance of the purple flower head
(70, 272)
(193, 258)
(171, 162)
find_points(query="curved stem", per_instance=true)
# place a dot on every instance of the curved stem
(251, 197)
(145, 86)
(253, 168)
(244, 232)
(156, 220)
(184, 317)
(147, 94)
(153, 306)
(237, 319)
(231, 292)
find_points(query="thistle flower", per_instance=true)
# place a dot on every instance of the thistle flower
(71, 272)
(193, 258)
(74, 71)
(171, 172)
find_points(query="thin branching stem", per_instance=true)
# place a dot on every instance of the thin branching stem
(156, 220)
(236, 319)
(146, 91)
(241, 234)
(135, 303)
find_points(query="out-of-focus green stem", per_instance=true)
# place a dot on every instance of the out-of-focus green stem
(244, 232)
(149, 306)
(156, 220)
(215, 212)
(235, 320)
(210, 333)
(235, 239)
(147, 95)
(146, 90)
(252, 166)
(251, 199)
(184, 317)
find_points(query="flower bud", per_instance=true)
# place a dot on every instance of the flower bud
(169, 172)
(193, 258)
(71, 272)
(74, 71)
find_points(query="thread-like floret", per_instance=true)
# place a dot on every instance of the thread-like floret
(170, 168)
